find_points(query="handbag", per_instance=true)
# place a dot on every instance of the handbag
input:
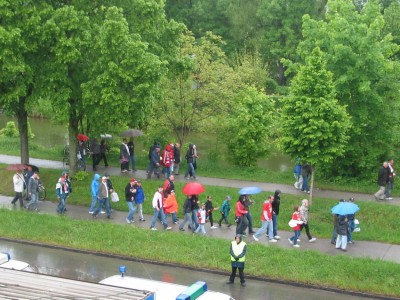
(292, 223)
(114, 197)
(123, 160)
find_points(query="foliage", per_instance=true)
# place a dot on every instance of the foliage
(248, 127)
(10, 130)
(314, 124)
(365, 77)
(81, 175)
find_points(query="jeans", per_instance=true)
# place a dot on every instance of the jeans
(275, 224)
(266, 225)
(61, 205)
(350, 230)
(250, 221)
(305, 225)
(106, 202)
(158, 213)
(132, 209)
(200, 227)
(153, 168)
(305, 187)
(190, 170)
(174, 217)
(223, 217)
(132, 161)
(18, 196)
(93, 205)
(341, 242)
(389, 189)
(188, 218)
(295, 237)
(167, 170)
(33, 202)
(140, 210)
(195, 219)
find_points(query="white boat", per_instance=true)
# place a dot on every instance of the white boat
(166, 290)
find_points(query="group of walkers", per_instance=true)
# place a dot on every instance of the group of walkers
(385, 180)
(343, 228)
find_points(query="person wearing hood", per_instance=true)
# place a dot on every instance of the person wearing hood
(167, 158)
(238, 257)
(104, 198)
(94, 189)
(304, 218)
(154, 164)
(139, 199)
(224, 210)
(275, 212)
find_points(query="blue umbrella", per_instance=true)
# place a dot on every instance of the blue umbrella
(345, 208)
(250, 190)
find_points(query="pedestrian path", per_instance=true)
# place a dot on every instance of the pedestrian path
(373, 250)
(265, 186)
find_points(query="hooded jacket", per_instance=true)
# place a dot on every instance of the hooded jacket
(277, 202)
(94, 187)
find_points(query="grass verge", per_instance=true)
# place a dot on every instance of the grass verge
(308, 267)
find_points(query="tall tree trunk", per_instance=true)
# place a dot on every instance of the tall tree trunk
(312, 185)
(22, 119)
(73, 142)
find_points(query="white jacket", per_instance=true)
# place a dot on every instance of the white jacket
(19, 182)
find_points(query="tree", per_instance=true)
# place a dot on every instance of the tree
(248, 127)
(314, 124)
(366, 79)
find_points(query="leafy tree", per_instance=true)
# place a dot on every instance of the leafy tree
(314, 124)
(21, 55)
(366, 79)
(249, 126)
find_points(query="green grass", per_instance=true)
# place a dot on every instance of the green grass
(308, 267)
(378, 222)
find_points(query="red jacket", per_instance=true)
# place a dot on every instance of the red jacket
(296, 217)
(240, 210)
(167, 156)
(267, 207)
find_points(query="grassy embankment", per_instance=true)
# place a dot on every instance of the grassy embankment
(308, 267)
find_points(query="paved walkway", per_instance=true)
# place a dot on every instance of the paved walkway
(373, 250)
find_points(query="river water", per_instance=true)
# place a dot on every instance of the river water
(93, 268)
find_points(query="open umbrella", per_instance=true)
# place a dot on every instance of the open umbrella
(193, 188)
(250, 190)
(82, 137)
(16, 167)
(131, 133)
(345, 208)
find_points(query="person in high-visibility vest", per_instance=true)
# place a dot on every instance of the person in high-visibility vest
(238, 257)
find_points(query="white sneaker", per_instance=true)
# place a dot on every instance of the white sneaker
(290, 241)
(277, 237)
(298, 240)
(213, 227)
(153, 228)
(128, 221)
(102, 212)
(297, 246)
(91, 212)
(255, 238)
(273, 241)
(312, 240)
(168, 228)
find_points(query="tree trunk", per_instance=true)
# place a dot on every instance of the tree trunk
(312, 185)
(73, 142)
(22, 119)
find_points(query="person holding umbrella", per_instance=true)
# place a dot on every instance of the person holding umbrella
(341, 227)
(240, 216)
(124, 156)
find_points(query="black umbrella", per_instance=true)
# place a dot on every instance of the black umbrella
(131, 133)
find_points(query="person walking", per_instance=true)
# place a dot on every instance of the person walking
(130, 193)
(191, 156)
(390, 179)
(297, 174)
(103, 152)
(341, 241)
(154, 165)
(33, 192)
(247, 203)
(305, 172)
(238, 257)
(382, 182)
(62, 194)
(187, 211)
(19, 184)
(158, 210)
(132, 158)
(266, 220)
(352, 225)
(224, 210)
(240, 216)
(209, 209)
(296, 218)
(202, 216)
(171, 207)
(94, 189)
(104, 198)
(139, 199)
(124, 156)
(275, 212)
(177, 158)
(304, 218)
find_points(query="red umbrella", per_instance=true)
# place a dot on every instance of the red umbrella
(193, 188)
(82, 137)
(16, 167)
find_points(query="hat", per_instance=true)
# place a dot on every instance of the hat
(106, 174)
(228, 197)
(139, 181)
(104, 177)
(157, 146)
(133, 180)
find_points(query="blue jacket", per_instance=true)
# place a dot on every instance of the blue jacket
(139, 199)
(94, 188)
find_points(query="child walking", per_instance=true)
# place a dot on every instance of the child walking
(201, 214)
(224, 210)
(209, 209)
(296, 229)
